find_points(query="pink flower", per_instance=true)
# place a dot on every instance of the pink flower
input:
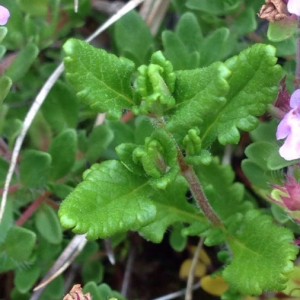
(4, 15)
(290, 195)
(293, 7)
(289, 128)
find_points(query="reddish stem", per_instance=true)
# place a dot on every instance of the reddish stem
(195, 186)
(13, 188)
(31, 209)
(127, 117)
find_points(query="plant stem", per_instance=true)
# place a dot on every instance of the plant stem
(197, 191)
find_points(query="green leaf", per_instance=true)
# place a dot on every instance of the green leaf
(216, 7)
(47, 224)
(143, 129)
(182, 46)
(209, 52)
(19, 243)
(125, 135)
(260, 169)
(34, 7)
(109, 200)
(253, 85)
(60, 108)
(172, 207)
(63, 150)
(98, 141)
(3, 32)
(23, 62)
(93, 289)
(12, 129)
(198, 100)
(281, 30)
(26, 278)
(246, 22)
(177, 240)
(92, 271)
(5, 85)
(133, 38)
(102, 79)
(225, 196)
(15, 38)
(269, 158)
(7, 221)
(54, 289)
(262, 255)
(35, 168)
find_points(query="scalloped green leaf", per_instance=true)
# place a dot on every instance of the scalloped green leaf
(103, 80)
(172, 207)
(253, 85)
(262, 255)
(199, 95)
(225, 196)
(110, 200)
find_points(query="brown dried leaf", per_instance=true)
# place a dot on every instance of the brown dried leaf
(77, 294)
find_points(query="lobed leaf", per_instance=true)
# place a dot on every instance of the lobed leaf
(172, 207)
(253, 85)
(102, 79)
(225, 196)
(110, 200)
(201, 96)
(262, 255)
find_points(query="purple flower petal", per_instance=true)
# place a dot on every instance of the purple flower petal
(290, 127)
(295, 98)
(293, 7)
(4, 15)
(283, 129)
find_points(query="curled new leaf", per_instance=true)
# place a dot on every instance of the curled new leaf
(155, 85)
(158, 158)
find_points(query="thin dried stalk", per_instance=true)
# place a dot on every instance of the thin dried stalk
(189, 286)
